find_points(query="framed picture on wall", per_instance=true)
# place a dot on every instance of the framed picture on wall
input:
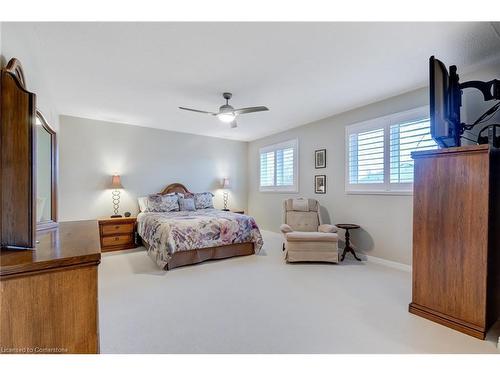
(320, 184)
(320, 158)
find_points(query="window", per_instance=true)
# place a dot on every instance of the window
(279, 167)
(378, 152)
(405, 138)
(366, 156)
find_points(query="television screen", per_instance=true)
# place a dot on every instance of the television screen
(438, 100)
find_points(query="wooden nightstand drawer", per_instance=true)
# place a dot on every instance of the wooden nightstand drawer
(117, 228)
(117, 233)
(119, 239)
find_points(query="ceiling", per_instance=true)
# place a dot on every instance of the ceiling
(139, 73)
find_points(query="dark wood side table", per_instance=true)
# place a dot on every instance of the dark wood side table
(348, 248)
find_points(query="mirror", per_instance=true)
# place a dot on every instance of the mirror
(46, 174)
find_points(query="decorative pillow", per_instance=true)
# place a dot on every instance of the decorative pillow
(187, 204)
(203, 200)
(162, 203)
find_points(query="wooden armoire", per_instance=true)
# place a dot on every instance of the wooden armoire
(456, 237)
(17, 159)
(48, 278)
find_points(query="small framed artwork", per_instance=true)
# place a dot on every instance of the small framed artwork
(320, 184)
(320, 158)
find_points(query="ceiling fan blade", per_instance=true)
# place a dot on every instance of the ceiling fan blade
(242, 111)
(233, 124)
(197, 110)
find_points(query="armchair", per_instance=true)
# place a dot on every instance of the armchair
(305, 237)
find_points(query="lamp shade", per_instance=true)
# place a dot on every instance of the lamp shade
(225, 183)
(116, 182)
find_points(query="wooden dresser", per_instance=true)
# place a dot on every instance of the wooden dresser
(117, 233)
(48, 297)
(456, 238)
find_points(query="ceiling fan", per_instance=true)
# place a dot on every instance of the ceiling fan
(227, 113)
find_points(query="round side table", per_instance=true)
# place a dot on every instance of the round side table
(348, 248)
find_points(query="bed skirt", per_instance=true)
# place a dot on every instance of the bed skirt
(184, 258)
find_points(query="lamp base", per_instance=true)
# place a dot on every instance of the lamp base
(113, 216)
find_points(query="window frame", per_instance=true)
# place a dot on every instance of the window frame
(294, 143)
(384, 122)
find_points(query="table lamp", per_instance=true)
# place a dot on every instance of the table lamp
(116, 185)
(225, 185)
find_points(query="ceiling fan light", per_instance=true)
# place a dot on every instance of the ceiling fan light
(226, 117)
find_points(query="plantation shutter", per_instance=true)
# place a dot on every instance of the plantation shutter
(267, 168)
(404, 139)
(366, 157)
(284, 167)
(279, 167)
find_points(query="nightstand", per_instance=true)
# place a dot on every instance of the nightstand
(238, 212)
(117, 233)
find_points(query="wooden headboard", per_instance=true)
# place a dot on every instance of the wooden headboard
(175, 188)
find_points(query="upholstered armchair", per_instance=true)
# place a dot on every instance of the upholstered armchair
(305, 237)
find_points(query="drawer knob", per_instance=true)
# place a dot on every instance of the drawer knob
(117, 226)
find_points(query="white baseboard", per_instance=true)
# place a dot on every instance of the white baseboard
(388, 263)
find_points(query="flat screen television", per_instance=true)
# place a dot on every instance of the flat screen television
(445, 101)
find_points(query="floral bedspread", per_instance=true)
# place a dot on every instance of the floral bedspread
(169, 232)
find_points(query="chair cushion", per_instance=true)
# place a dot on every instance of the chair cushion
(303, 221)
(312, 204)
(300, 204)
(311, 237)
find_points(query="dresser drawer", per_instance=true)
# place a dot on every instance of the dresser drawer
(117, 228)
(119, 239)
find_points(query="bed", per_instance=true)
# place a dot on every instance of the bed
(180, 238)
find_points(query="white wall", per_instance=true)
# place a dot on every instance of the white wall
(19, 40)
(386, 220)
(147, 159)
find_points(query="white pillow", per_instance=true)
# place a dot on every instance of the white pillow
(143, 203)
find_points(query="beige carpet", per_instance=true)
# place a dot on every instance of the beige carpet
(259, 304)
